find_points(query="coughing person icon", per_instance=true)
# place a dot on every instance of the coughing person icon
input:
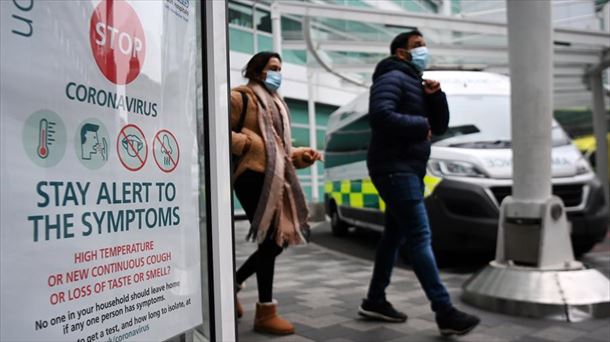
(92, 144)
(89, 141)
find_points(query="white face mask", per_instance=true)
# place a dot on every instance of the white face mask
(420, 57)
(273, 80)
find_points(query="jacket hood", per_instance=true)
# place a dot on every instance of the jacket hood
(394, 63)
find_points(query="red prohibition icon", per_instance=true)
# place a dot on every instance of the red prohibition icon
(132, 148)
(166, 151)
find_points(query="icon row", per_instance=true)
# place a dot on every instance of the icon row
(45, 140)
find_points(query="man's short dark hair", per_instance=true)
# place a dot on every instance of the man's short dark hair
(402, 40)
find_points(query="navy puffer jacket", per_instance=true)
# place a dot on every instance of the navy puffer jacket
(400, 115)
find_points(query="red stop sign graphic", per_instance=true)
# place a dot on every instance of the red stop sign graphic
(117, 41)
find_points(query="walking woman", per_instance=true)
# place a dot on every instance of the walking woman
(265, 180)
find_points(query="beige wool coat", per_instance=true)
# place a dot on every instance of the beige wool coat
(261, 148)
(248, 144)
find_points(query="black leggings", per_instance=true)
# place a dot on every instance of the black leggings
(248, 188)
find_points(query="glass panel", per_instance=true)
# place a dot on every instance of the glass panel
(240, 14)
(265, 43)
(351, 3)
(321, 137)
(300, 136)
(241, 41)
(298, 110)
(303, 173)
(324, 111)
(320, 169)
(100, 172)
(238, 208)
(422, 6)
(291, 29)
(294, 56)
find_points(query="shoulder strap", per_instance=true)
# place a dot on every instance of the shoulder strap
(244, 108)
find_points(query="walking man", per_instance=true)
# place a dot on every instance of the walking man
(404, 111)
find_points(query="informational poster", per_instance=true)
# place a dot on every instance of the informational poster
(99, 170)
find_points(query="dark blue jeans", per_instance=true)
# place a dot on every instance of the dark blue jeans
(406, 222)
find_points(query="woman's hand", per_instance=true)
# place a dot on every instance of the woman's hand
(240, 143)
(303, 157)
(310, 155)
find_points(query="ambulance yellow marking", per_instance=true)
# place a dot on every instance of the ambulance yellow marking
(430, 183)
(363, 194)
(345, 186)
(368, 187)
(328, 187)
(356, 200)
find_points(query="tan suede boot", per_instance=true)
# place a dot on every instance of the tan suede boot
(239, 310)
(268, 321)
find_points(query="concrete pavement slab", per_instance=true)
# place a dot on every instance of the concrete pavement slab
(319, 291)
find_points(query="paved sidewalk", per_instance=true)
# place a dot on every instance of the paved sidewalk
(319, 291)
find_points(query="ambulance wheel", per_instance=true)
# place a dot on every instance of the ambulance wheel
(592, 160)
(338, 227)
(582, 247)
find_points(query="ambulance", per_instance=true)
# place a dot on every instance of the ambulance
(469, 172)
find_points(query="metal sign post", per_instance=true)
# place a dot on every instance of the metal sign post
(217, 61)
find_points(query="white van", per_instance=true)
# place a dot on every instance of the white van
(469, 172)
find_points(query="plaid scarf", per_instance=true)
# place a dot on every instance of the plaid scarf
(282, 205)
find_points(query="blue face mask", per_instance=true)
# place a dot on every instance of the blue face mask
(273, 80)
(420, 57)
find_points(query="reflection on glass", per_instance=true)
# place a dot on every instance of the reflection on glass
(240, 15)
(263, 21)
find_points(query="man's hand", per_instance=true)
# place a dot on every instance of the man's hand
(431, 86)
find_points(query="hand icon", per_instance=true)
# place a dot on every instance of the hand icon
(166, 149)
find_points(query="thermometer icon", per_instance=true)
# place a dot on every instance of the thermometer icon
(44, 138)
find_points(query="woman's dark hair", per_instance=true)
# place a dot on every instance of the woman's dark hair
(257, 63)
